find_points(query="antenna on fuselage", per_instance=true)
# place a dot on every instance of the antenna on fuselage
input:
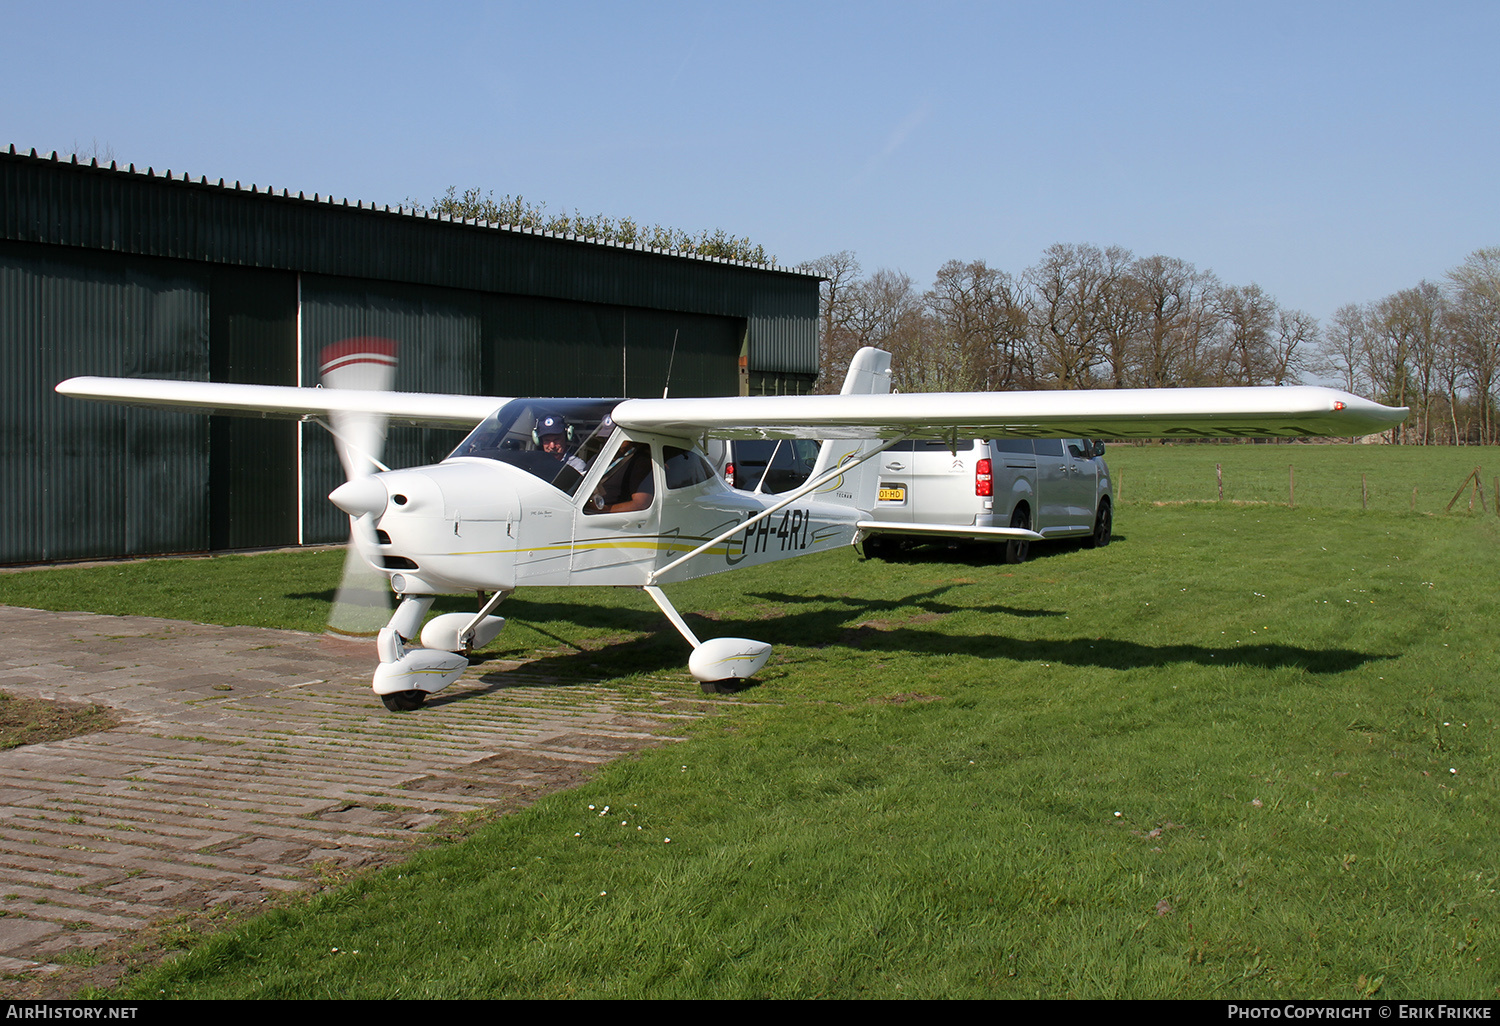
(670, 360)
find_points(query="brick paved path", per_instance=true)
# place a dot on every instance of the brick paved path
(250, 761)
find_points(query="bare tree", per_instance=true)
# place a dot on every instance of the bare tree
(1345, 342)
(1074, 288)
(1450, 375)
(836, 310)
(1179, 320)
(1425, 311)
(1083, 317)
(1395, 335)
(1121, 315)
(1247, 315)
(979, 330)
(888, 313)
(1293, 340)
(1475, 289)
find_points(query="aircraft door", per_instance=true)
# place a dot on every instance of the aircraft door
(695, 507)
(617, 516)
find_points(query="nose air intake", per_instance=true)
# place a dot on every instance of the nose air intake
(359, 496)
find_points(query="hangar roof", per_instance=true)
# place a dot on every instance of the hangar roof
(47, 199)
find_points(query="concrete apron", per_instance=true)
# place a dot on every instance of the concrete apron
(250, 762)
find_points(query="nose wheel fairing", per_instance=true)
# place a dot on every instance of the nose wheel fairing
(408, 673)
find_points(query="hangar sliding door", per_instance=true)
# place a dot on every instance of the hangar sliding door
(253, 462)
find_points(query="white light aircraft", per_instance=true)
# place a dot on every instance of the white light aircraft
(617, 492)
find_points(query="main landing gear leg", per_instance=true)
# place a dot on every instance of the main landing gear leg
(720, 660)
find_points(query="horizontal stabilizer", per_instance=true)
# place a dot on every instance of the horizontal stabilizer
(949, 530)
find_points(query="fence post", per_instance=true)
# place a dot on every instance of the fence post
(1470, 477)
(1219, 474)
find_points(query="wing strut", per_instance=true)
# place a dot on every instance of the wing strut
(787, 500)
(719, 662)
(672, 614)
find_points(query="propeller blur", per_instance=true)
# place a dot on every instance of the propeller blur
(363, 602)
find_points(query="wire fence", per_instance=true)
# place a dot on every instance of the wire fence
(1429, 480)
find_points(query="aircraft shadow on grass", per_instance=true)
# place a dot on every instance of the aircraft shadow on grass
(986, 553)
(861, 624)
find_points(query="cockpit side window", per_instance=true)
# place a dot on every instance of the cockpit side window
(628, 483)
(556, 440)
(683, 467)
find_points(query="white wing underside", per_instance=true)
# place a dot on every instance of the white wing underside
(425, 409)
(1092, 413)
(1298, 411)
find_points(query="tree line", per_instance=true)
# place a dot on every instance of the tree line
(1086, 317)
(516, 212)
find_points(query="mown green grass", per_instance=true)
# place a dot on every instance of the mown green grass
(1246, 751)
(1324, 475)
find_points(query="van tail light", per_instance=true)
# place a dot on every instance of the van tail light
(729, 474)
(984, 480)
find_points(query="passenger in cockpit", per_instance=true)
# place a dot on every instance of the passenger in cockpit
(628, 485)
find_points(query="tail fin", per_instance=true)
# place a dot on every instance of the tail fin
(869, 374)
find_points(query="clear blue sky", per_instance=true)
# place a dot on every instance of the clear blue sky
(1331, 152)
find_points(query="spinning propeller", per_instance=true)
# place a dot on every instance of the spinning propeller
(363, 603)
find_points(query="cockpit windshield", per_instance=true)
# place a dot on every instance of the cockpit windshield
(556, 440)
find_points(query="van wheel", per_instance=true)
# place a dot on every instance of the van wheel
(877, 547)
(1103, 527)
(1018, 549)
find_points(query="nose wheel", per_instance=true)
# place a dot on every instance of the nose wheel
(404, 701)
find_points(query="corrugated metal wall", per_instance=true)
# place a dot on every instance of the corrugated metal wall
(85, 479)
(548, 347)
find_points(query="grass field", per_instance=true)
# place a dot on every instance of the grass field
(1329, 476)
(1246, 751)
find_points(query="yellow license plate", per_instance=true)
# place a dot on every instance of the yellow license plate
(892, 493)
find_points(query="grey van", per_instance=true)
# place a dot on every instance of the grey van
(763, 465)
(1057, 487)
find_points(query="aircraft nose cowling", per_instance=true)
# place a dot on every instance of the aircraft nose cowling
(360, 496)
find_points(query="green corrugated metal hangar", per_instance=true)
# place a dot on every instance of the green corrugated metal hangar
(133, 273)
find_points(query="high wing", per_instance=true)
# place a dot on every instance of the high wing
(424, 409)
(1298, 411)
